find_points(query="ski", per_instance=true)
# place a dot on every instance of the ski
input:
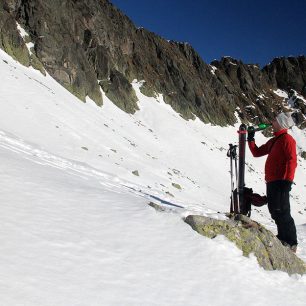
(241, 170)
(241, 196)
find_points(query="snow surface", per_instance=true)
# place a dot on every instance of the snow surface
(295, 96)
(76, 229)
(262, 96)
(213, 69)
(281, 93)
(23, 33)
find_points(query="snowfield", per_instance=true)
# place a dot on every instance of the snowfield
(76, 228)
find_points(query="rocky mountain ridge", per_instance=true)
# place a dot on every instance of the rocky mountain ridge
(88, 45)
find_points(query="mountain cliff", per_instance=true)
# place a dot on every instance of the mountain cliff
(90, 44)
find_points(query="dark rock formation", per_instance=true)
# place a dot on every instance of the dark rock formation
(250, 85)
(10, 40)
(288, 73)
(251, 237)
(88, 44)
(119, 90)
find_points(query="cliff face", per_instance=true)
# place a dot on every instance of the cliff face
(288, 73)
(88, 44)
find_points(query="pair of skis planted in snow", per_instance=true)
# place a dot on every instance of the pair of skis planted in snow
(237, 194)
(242, 197)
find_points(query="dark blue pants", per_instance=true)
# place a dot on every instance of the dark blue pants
(279, 208)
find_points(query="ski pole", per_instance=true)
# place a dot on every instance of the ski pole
(233, 155)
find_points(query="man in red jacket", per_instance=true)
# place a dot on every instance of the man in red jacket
(279, 174)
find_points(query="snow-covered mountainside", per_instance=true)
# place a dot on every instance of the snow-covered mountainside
(75, 183)
(88, 45)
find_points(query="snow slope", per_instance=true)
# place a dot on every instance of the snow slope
(75, 225)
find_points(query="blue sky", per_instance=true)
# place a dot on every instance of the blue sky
(253, 31)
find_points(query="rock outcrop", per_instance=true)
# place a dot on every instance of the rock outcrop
(90, 44)
(10, 39)
(288, 73)
(250, 237)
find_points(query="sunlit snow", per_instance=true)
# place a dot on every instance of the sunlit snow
(76, 229)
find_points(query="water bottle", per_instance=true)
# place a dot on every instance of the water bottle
(259, 127)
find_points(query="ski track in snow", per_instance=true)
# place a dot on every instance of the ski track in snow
(44, 158)
(75, 168)
(81, 170)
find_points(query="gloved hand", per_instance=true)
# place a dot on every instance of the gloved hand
(251, 134)
(286, 185)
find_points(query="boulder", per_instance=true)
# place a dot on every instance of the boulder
(250, 237)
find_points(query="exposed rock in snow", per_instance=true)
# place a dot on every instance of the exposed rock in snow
(250, 237)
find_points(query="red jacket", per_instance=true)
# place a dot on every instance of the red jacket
(281, 161)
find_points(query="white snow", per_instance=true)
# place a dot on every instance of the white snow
(213, 69)
(300, 97)
(262, 96)
(291, 102)
(21, 30)
(24, 34)
(281, 93)
(75, 225)
(229, 57)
